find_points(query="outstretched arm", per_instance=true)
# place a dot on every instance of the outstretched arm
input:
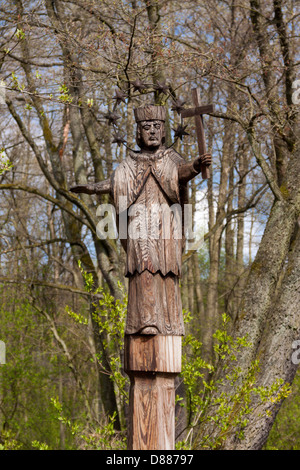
(102, 187)
(189, 170)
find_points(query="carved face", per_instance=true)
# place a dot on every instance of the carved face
(151, 134)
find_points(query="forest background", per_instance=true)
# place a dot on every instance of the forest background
(72, 71)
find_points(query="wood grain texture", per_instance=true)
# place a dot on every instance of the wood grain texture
(206, 109)
(150, 113)
(200, 130)
(153, 354)
(149, 185)
(154, 301)
(152, 412)
(152, 363)
(141, 183)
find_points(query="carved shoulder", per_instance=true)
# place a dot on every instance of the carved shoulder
(176, 157)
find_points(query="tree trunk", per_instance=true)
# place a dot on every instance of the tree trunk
(268, 314)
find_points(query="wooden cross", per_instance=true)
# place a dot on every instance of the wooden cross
(197, 112)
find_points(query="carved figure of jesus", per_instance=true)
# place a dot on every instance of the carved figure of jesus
(145, 186)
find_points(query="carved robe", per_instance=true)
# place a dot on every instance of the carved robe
(144, 188)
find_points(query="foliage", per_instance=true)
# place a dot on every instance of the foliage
(31, 413)
(208, 400)
(110, 315)
(95, 438)
(28, 377)
(285, 433)
(64, 96)
(62, 62)
(111, 321)
(5, 164)
(228, 412)
(7, 441)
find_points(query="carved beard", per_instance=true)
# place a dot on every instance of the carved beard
(139, 139)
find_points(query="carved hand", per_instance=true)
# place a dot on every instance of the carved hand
(204, 159)
(84, 188)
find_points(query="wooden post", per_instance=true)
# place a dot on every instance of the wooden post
(152, 363)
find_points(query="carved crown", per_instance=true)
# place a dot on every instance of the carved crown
(150, 113)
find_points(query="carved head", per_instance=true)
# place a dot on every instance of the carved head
(150, 126)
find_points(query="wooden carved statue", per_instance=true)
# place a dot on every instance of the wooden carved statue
(150, 188)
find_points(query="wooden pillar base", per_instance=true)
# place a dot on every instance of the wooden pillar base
(152, 363)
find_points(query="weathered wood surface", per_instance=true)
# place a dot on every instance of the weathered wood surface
(197, 112)
(150, 187)
(154, 178)
(149, 191)
(152, 412)
(153, 354)
(149, 113)
(200, 130)
(154, 302)
(152, 363)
